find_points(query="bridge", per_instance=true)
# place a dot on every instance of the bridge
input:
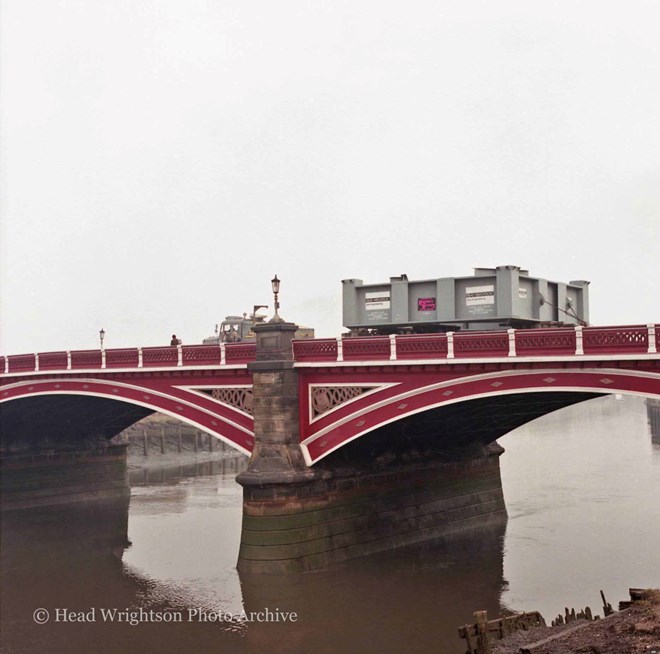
(356, 444)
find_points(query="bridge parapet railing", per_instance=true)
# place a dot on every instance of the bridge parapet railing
(577, 341)
(240, 352)
(160, 356)
(319, 349)
(615, 340)
(127, 357)
(481, 344)
(545, 342)
(431, 346)
(53, 361)
(21, 362)
(86, 359)
(199, 355)
(369, 348)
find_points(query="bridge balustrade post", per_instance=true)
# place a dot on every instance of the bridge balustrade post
(68, 360)
(392, 347)
(340, 349)
(579, 349)
(140, 359)
(450, 345)
(652, 336)
(223, 354)
(179, 355)
(102, 357)
(36, 362)
(512, 342)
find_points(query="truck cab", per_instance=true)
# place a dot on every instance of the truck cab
(236, 329)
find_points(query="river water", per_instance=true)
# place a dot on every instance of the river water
(582, 488)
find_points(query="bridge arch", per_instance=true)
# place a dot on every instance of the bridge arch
(460, 401)
(77, 404)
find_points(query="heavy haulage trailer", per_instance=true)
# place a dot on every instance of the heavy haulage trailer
(492, 298)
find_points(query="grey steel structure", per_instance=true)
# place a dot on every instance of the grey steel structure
(493, 298)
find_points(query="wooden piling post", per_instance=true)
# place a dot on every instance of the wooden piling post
(465, 633)
(162, 440)
(145, 442)
(483, 644)
(607, 607)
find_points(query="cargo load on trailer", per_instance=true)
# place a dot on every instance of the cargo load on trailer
(492, 298)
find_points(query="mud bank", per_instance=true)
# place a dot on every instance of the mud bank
(633, 630)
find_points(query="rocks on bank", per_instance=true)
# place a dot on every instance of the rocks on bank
(635, 629)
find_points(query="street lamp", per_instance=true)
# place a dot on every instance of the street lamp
(102, 336)
(275, 283)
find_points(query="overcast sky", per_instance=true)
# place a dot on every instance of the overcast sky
(162, 159)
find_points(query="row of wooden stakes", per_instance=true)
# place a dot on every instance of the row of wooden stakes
(479, 635)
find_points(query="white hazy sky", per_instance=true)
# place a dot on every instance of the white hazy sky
(162, 159)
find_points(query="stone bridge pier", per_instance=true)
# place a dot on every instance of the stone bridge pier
(298, 518)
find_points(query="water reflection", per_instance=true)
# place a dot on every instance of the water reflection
(582, 488)
(172, 472)
(185, 544)
(412, 599)
(72, 559)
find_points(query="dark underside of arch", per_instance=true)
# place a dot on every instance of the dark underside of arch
(62, 421)
(451, 431)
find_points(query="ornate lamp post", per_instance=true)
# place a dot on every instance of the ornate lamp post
(275, 283)
(102, 336)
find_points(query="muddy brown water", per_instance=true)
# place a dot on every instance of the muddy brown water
(583, 494)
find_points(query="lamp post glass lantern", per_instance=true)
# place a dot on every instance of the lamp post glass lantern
(102, 336)
(275, 283)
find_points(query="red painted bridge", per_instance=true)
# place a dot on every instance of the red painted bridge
(347, 388)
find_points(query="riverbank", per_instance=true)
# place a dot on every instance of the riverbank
(159, 441)
(633, 630)
(162, 449)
